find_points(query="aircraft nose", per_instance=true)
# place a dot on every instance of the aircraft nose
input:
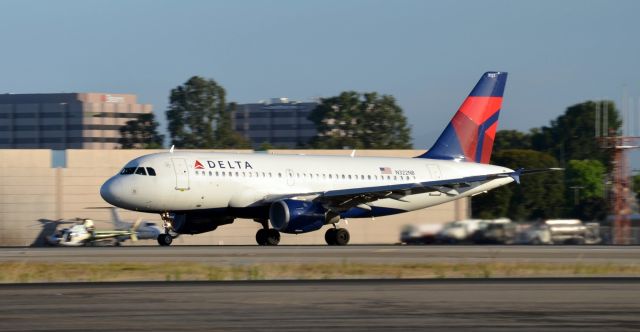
(110, 192)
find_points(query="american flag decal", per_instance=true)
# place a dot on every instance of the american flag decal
(385, 170)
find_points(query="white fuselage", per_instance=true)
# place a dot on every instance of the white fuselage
(188, 181)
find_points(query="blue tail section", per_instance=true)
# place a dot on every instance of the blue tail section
(470, 134)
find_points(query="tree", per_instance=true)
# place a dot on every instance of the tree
(141, 133)
(360, 121)
(538, 196)
(195, 109)
(572, 135)
(585, 189)
(511, 139)
(588, 175)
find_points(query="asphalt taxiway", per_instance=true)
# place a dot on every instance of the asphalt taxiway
(389, 254)
(330, 305)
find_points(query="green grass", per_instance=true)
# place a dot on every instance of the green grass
(21, 272)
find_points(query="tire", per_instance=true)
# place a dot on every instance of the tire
(261, 237)
(273, 237)
(329, 236)
(341, 237)
(165, 240)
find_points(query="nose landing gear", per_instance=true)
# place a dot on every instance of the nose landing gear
(165, 239)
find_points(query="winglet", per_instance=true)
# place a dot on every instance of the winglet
(516, 175)
(171, 150)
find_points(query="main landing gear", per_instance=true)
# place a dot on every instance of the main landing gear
(267, 236)
(337, 236)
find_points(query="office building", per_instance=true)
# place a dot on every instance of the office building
(279, 122)
(65, 120)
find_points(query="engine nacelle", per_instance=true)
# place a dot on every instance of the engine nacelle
(295, 217)
(188, 223)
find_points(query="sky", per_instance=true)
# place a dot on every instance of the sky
(427, 54)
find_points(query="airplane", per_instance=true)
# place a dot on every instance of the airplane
(85, 234)
(196, 192)
(146, 230)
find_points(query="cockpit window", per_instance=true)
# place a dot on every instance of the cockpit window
(128, 170)
(141, 171)
(151, 171)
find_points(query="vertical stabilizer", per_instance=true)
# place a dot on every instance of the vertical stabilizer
(470, 134)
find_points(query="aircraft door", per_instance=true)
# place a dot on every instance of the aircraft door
(291, 180)
(434, 170)
(182, 173)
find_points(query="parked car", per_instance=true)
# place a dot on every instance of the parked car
(420, 234)
(560, 231)
(495, 233)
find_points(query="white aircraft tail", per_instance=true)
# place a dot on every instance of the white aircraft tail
(117, 222)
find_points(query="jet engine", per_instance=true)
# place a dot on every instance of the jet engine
(190, 223)
(295, 217)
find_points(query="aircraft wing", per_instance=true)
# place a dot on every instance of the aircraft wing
(343, 199)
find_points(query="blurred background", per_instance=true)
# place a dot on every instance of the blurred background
(85, 84)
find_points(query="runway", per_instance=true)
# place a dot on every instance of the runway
(338, 305)
(390, 254)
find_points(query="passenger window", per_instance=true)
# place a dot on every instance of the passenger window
(141, 171)
(210, 173)
(128, 170)
(151, 171)
(217, 173)
(349, 176)
(368, 177)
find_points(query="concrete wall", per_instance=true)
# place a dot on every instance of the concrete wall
(33, 195)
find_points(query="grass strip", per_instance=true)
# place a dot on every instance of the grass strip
(22, 272)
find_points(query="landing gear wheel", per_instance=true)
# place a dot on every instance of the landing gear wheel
(261, 237)
(268, 237)
(337, 236)
(165, 239)
(330, 236)
(341, 237)
(273, 237)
